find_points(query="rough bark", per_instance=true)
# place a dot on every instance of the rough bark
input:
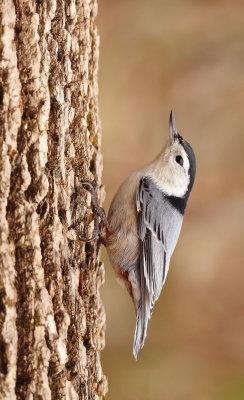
(51, 315)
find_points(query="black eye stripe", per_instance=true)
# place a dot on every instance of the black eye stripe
(179, 160)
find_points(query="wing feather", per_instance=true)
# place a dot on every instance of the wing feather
(159, 225)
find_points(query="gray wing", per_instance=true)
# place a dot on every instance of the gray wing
(159, 225)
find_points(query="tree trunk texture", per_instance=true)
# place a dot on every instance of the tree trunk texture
(51, 315)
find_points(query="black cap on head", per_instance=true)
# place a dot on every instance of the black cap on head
(192, 160)
(174, 135)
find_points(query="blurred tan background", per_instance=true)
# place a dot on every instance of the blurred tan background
(189, 56)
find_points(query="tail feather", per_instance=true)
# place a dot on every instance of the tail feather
(143, 316)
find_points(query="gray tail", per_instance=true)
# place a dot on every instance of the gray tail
(143, 316)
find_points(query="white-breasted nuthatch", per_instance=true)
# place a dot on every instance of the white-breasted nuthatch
(144, 223)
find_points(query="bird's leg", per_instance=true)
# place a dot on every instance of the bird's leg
(98, 212)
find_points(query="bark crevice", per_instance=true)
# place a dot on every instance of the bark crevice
(51, 314)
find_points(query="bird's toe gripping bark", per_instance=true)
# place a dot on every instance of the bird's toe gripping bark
(100, 219)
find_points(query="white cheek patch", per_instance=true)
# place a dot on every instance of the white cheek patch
(172, 178)
(186, 164)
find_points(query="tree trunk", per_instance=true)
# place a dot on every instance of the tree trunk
(51, 315)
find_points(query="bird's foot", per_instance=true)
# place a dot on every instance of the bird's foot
(100, 219)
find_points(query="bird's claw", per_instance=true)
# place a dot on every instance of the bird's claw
(98, 212)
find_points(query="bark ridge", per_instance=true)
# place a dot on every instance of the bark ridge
(51, 315)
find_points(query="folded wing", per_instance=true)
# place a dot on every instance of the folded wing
(159, 225)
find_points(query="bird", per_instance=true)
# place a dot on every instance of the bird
(144, 223)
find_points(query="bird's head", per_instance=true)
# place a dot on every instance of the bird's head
(178, 164)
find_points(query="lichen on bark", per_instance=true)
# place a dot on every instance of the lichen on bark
(51, 315)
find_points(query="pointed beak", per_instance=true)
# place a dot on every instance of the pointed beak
(172, 128)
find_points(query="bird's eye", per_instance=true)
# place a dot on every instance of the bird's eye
(179, 160)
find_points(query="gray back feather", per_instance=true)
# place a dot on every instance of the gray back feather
(159, 225)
